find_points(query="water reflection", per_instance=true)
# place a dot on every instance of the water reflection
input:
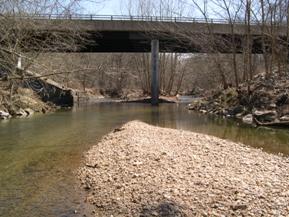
(38, 155)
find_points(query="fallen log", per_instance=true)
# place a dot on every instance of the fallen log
(272, 124)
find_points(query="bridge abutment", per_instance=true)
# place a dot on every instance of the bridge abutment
(155, 72)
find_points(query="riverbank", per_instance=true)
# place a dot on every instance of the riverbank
(28, 104)
(141, 170)
(35, 94)
(264, 102)
(23, 104)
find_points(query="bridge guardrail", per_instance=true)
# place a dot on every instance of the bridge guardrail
(132, 18)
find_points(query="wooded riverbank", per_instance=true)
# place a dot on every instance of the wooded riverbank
(264, 101)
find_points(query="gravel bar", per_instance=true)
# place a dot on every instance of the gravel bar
(143, 170)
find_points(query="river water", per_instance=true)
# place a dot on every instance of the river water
(38, 155)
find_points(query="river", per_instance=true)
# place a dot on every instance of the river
(38, 155)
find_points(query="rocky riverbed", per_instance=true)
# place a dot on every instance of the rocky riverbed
(142, 170)
(264, 101)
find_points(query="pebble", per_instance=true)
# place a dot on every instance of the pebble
(169, 172)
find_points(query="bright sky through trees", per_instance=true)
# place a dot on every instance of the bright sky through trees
(106, 7)
(121, 7)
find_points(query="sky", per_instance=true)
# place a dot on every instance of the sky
(118, 7)
(108, 7)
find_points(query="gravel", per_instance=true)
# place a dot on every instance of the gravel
(143, 170)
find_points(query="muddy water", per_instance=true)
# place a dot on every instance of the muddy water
(38, 155)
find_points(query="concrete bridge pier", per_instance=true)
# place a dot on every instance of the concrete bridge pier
(155, 72)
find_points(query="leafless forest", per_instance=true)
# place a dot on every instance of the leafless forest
(118, 74)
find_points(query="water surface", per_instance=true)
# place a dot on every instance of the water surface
(38, 155)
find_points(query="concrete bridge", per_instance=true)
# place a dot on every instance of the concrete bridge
(149, 34)
(134, 33)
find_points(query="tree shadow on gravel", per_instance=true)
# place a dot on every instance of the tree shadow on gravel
(164, 209)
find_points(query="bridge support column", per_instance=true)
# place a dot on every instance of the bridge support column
(155, 72)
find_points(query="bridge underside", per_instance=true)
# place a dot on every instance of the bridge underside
(129, 41)
(137, 41)
(133, 36)
(140, 42)
(122, 41)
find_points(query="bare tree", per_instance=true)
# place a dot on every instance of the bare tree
(231, 9)
(22, 37)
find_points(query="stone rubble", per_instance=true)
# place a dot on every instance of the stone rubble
(267, 101)
(143, 170)
(25, 104)
(4, 115)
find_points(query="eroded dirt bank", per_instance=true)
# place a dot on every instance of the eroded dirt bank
(142, 170)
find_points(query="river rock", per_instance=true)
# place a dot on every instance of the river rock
(284, 110)
(284, 118)
(236, 110)
(197, 104)
(29, 111)
(248, 119)
(281, 99)
(239, 115)
(265, 115)
(272, 106)
(199, 175)
(4, 115)
(203, 111)
(20, 113)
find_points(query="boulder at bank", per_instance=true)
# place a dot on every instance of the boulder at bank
(248, 119)
(142, 170)
(265, 115)
(29, 111)
(4, 115)
(24, 103)
(267, 101)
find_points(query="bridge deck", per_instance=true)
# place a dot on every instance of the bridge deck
(134, 33)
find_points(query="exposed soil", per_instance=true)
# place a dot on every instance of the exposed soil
(142, 170)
